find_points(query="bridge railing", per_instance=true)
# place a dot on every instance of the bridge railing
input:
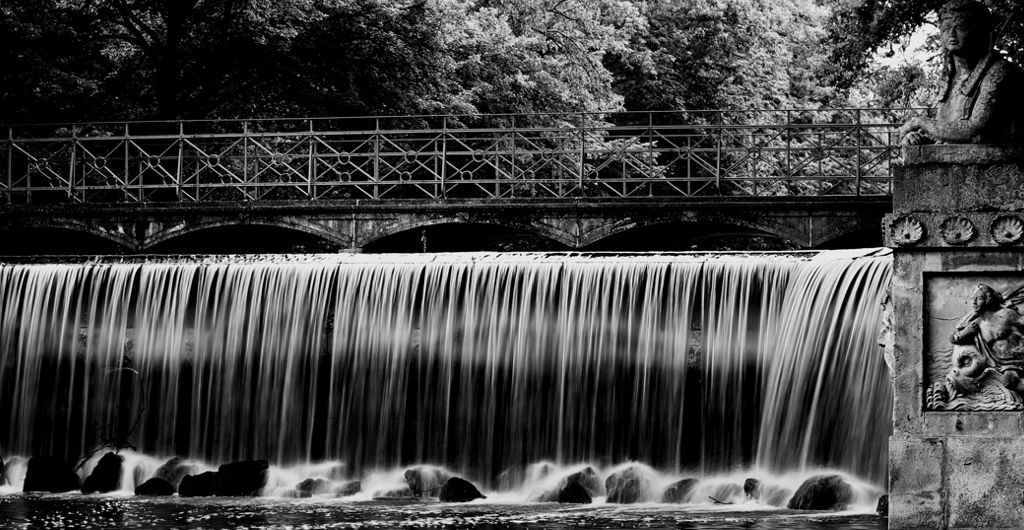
(664, 155)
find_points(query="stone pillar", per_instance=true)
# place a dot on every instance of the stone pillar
(956, 456)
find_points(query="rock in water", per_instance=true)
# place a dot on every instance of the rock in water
(106, 477)
(348, 488)
(627, 486)
(426, 481)
(155, 487)
(456, 489)
(574, 493)
(243, 479)
(822, 492)
(679, 491)
(3, 473)
(752, 488)
(883, 505)
(312, 486)
(175, 469)
(586, 478)
(47, 473)
(202, 485)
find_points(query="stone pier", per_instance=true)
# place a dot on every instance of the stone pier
(956, 456)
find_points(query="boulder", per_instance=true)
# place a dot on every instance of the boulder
(201, 485)
(425, 481)
(155, 487)
(627, 486)
(679, 492)
(243, 479)
(822, 492)
(106, 476)
(47, 473)
(574, 493)
(883, 505)
(349, 488)
(312, 486)
(752, 489)
(586, 479)
(175, 469)
(456, 489)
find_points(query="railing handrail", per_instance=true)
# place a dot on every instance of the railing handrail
(78, 123)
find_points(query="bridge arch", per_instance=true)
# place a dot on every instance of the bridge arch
(165, 234)
(63, 235)
(458, 233)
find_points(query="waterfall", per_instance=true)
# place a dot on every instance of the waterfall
(474, 361)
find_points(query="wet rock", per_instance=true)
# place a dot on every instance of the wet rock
(586, 479)
(312, 486)
(883, 505)
(574, 493)
(175, 469)
(106, 476)
(456, 489)
(349, 488)
(47, 473)
(752, 489)
(679, 492)
(3, 473)
(155, 487)
(243, 479)
(201, 485)
(822, 492)
(426, 481)
(627, 486)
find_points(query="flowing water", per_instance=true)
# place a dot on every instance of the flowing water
(714, 366)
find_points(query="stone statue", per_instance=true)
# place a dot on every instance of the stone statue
(982, 102)
(988, 353)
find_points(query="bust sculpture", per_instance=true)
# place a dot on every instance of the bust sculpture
(983, 100)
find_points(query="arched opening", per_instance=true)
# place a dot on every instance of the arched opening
(464, 237)
(865, 237)
(244, 239)
(682, 236)
(55, 242)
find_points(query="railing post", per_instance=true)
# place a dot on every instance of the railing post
(583, 155)
(860, 146)
(718, 158)
(376, 159)
(127, 167)
(181, 156)
(71, 164)
(245, 161)
(444, 159)
(310, 166)
(512, 169)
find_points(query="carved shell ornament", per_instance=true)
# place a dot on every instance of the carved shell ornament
(1007, 229)
(956, 230)
(907, 230)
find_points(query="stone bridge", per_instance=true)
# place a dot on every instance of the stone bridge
(574, 181)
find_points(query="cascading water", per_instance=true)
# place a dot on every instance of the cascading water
(481, 363)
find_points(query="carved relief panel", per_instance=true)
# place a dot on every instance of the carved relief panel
(974, 342)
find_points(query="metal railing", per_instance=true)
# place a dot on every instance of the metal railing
(664, 155)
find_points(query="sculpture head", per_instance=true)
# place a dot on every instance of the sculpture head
(967, 27)
(985, 297)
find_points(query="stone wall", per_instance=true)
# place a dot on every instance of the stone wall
(956, 456)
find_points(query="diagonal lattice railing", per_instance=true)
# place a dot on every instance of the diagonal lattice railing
(663, 155)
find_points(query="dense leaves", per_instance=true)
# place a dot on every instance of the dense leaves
(64, 60)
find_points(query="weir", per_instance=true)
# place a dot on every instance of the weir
(698, 363)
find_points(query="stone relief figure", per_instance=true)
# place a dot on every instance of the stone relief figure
(988, 355)
(982, 102)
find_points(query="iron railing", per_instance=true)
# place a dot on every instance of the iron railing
(664, 155)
